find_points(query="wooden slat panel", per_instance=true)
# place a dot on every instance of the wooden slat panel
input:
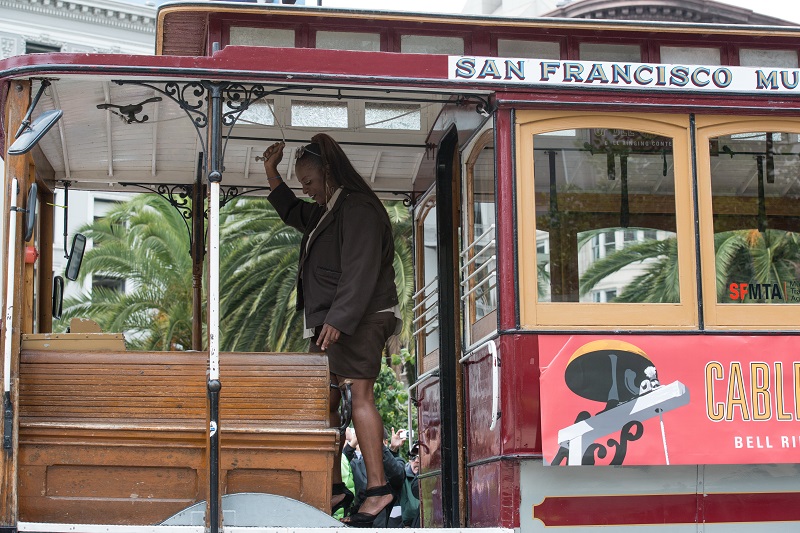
(121, 437)
(131, 387)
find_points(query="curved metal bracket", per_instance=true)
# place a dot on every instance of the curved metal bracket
(190, 96)
(177, 195)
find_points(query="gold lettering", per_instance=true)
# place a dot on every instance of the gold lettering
(714, 410)
(736, 393)
(759, 391)
(780, 408)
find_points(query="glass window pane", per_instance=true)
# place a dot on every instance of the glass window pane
(688, 55)
(260, 113)
(605, 217)
(244, 36)
(340, 40)
(756, 206)
(767, 58)
(610, 52)
(427, 301)
(430, 44)
(529, 49)
(392, 116)
(479, 258)
(319, 114)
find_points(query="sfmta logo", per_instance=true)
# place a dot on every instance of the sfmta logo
(756, 291)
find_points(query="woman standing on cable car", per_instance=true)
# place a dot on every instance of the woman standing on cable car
(346, 290)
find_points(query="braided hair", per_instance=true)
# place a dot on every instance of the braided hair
(325, 153)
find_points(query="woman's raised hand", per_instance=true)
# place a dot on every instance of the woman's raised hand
(272, 158)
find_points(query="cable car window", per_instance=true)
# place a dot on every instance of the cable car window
(431, 44)
(246, 36)
(610, 52)
(605, 217)
(690, 55)
(258, 113)
(341, 40)
(479, 249)
(756, 213)
(392, 116)
(426, 299)
(319, 114)
(530, 49)
(756, 57)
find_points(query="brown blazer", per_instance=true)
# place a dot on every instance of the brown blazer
(347, 272)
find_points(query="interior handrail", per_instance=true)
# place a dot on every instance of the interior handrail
(492, 276)
(477, 239)
(489, 246)
(482, 267)
(423, 289)
(424, 300)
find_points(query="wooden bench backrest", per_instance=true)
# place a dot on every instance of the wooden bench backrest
(169, 389)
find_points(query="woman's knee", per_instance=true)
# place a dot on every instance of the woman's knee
(363, 390)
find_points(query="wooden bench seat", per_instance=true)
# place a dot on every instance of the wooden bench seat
(121, 437)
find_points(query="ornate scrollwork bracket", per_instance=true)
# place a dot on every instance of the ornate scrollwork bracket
(178, 196)
(409, 198)
(230, 193)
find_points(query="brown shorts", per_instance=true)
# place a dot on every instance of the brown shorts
(359, 355)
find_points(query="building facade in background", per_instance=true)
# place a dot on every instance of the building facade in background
(702, 11)
(90, 26)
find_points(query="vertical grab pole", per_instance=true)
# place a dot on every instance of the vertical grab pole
(8, 410)
(214, 384)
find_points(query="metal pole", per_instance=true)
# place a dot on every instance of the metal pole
(198, 250)
(214, 384)
(8, 412)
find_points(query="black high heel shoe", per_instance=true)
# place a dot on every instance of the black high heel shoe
(346, 502)
(366, 519)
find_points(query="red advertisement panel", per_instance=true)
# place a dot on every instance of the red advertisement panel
(677, 399)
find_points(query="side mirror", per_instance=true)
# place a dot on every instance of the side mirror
(75, 256)
(32, 134)
(30, 212)
(58, 296)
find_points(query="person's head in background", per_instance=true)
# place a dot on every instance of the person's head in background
(413, 462)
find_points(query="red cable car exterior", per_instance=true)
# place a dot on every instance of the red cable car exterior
(606, 246)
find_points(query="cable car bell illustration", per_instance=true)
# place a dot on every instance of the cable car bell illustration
(624, 379)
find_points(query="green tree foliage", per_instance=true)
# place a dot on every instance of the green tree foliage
(658, 284)
(403, 270)
(145, 242)
(751, 256)
(742, 256)
(391, 398)
(258, 272)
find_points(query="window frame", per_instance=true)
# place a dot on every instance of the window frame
(426, 359)
(570, 315)
(731, 316)
(477, 329)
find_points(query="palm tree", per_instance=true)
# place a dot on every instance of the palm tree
(257, 277)
(143, 241)
(751, 256)
(742, 256)
(402, 226)
(658, 284)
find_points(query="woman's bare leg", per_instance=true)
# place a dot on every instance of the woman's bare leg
(369, 428)
(334, 421)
